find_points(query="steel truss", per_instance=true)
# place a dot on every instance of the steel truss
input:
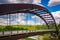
(38, 10)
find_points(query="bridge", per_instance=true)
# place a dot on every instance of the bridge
(37, 10)
(14, 35)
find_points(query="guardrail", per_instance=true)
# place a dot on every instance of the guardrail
(23, 34)
(6, 33)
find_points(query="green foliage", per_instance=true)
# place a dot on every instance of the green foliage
(2, 28)
(58, 25)
(25, 27)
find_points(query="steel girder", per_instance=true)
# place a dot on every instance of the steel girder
(38, 10)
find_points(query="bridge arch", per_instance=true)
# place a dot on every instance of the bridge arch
(38, 10)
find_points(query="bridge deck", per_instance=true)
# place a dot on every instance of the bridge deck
(22, 34)
(5, 33)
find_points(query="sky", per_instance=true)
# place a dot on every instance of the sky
(52, 5)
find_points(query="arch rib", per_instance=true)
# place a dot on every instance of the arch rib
(25, 8)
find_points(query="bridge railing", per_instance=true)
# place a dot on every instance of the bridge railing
(7, 33)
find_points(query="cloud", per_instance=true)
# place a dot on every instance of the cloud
(21, 1)
(3, 21)
(3, 1)
(13, 1)
(38, 19)
(19, 20)
(37, 2)
(56, 16)
(53, 2)
(33, 21)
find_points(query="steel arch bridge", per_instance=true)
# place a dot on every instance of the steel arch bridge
(38, 10)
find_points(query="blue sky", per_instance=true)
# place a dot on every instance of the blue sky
(50, 8)
(52, 5)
